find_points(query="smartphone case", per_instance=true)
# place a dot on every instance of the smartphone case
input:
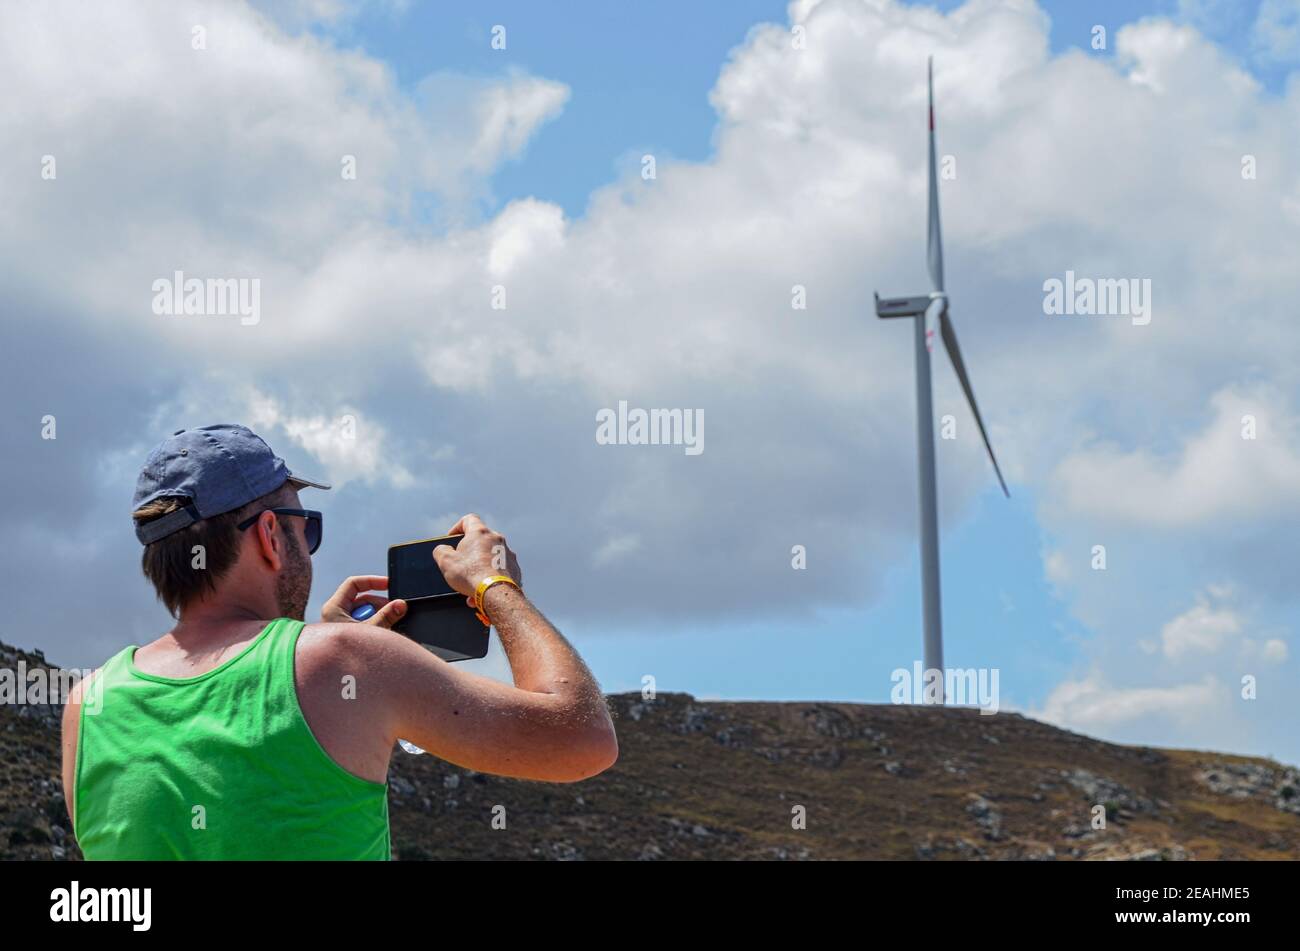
(444, 623)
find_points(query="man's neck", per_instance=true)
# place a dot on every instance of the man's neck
(213, 619)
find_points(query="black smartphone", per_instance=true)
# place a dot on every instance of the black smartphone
(437, 615)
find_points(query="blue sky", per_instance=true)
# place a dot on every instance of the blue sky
(520, 168)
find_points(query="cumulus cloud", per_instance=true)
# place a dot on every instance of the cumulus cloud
(1093, 705)
(297, 14)
(347, 444)
(1243, 464)
(1276, 31)
(1206, 628)
(1275, 650)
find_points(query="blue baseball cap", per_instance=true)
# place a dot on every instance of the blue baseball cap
(217, 468)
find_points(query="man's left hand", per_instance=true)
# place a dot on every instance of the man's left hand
(338, 609)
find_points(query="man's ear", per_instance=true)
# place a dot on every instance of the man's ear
(268, 540)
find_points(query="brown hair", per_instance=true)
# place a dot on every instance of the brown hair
(169, 563)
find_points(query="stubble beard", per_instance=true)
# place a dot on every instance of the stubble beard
(293, 586)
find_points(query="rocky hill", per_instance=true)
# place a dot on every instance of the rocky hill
(724, 780)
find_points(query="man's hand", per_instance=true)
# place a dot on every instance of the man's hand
(482, 552)
(338, 609)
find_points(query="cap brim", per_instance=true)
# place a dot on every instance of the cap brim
(300, 483)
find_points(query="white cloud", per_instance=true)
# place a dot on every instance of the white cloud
(1092, 704)
(1056, 568)
(1203, 628)
(522, 230)
(350, 446)
(1217, 473)
(615, 549)
(1275, 651)
(509, 113)
(295, 15)
(1212, 16)
(1276, 32)
(230, 160)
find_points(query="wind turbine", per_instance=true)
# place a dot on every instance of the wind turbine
(926, 311)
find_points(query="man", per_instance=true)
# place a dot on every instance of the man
(244, 734)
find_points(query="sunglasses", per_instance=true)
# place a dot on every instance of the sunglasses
(315, 524)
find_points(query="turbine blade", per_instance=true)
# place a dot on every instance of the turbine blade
(954, 354)
(934, 243)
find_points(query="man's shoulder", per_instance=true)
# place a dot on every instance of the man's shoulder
(393, 662)
(324, 649)
(72, 702)
(330, 642)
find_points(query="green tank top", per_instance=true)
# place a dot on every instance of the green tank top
(219, 766)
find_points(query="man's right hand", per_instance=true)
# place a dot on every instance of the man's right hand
(481, 553)
(551, 725)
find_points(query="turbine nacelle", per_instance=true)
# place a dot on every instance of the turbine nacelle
(907, 306)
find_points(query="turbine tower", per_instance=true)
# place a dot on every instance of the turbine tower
(926, 311)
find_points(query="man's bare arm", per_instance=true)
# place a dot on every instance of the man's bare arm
(552, 724)
(540, 658)
(70, 739)
(467, 719)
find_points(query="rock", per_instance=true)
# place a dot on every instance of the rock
(1239, 780)
(695, 719)
(987, 817)
(782, 855)
(1113, 795)
(55, 808)
(1288, 797)
(1146, 855)
(400, 786)
(1076, 830)
(1280, 786)
(931, 849)
(565, 852)
(828, 758)
(827, 721)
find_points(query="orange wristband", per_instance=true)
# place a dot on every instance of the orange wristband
(482, 589)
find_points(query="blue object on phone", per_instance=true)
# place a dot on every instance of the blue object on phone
(363, 612)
